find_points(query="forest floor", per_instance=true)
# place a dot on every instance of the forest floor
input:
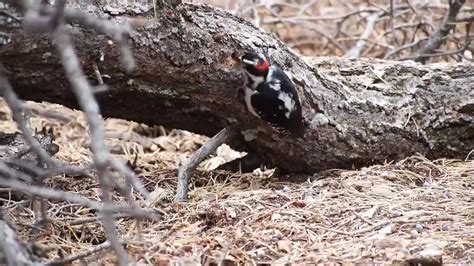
(399, 212)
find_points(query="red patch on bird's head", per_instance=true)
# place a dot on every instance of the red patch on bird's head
(262, 67)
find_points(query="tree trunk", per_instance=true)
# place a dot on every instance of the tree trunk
(356, 111)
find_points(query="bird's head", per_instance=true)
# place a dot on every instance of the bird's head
(255, 64)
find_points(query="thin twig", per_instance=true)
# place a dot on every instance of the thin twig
(130, 176)
(48, 193)
(6, 14)
(6, 91)
(81, 255)
(77, 221)
(13, 250)
(369, 29)
(98, 76)
(400, 221)
(422, 56)
(316, 18)
(85, 96)
(404, 47)
(437, 39)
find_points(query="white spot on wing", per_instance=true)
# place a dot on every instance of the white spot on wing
(273, 83)
(288, 102)
(276, 86)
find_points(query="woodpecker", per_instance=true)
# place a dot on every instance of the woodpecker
(270, 94)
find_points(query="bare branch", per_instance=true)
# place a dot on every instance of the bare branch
(12, 250)
(425, 56)
(6, 91)
(189, 166)
(5, 170)
(401, 48)
(48, 193)
(129, 176)
(6, 14)
(357, 49)
(52, 20)
(437, 39)
(119, 33)
(81, 255)
(89, 105)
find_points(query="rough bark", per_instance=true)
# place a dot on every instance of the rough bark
(357, 111)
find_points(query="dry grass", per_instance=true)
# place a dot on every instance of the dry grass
(384, 213)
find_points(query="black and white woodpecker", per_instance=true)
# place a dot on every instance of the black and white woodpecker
(271, 95)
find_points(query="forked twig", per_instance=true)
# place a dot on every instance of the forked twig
(189, 166)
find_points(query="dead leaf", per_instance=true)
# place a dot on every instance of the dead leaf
(213, 163)
(224, 154)
(155, 196)
(284, 245)
(165, 143)
(386, 230)
(370, 212)
(383, 232)
(275, 216)
(299, 204)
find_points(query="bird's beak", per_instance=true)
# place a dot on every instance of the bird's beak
(254, 63)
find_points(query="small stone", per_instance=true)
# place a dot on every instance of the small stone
(232, 213)
(431, 253)
(387, 230)
(405, 251)
(419, 228)
(414, 233)
(153, 147)
(319, 120)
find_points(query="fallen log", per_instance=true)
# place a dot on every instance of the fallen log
(356, 111)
